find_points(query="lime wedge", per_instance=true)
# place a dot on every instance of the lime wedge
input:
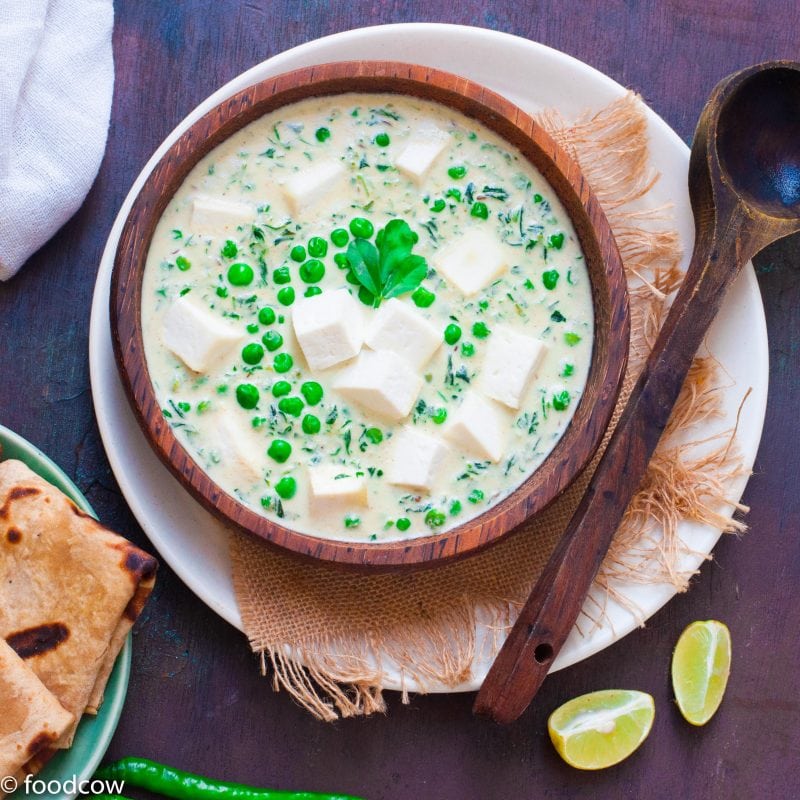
(701, 664)
(601, 729)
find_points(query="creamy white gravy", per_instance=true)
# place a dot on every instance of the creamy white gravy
(234, 208)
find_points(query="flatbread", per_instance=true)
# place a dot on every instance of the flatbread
(70, 589)
(32, 720)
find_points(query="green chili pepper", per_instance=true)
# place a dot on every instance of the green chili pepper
(181, 785)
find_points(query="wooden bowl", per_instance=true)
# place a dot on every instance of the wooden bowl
(609, 291)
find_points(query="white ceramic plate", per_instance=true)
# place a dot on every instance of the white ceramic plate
(534, 77)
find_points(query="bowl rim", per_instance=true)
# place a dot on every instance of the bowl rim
(578, 443)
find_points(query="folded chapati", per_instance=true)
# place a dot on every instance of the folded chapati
(31, 720)
(70, 589)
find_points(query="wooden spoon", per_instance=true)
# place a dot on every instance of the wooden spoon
(744, 183)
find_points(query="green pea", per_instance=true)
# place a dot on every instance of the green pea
(366, 297)
(550, 279)
(266, 316)
(252, 354)
(182, 263)
(282, 275)
(281, 388)
(352, 521)
(480, 210)
(422, 297)
(322, 134)
(311, 424)
(229, 249)
(240, 274)
(280, 450)
(340, 237)
(439, 416)
(468, 349)
(456, 173)
(438, 205)
(312, 392)
(454, 193)
(434, 518)
(298, 253)
(361, 228)
(286, 488)
(293, 406)
(252, 328)
(571, 338)
(561, 400)
(375, 435)
(272, 340)
(340, 259)
(452, 333)
(556, 241)
(286, 296)
(382, 140)
(475, 496)
(480, 331)
(403, 524)
(247, 395)
(282, 362)
(455, 508)
(311, 291)
(317, 247)
(312, 271)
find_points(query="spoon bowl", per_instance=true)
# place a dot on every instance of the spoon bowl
(758, 132)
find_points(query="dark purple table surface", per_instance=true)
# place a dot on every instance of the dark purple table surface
(196, 699)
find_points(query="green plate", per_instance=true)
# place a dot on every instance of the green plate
(94, 733)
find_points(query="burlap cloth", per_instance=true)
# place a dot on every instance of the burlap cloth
(325, 635)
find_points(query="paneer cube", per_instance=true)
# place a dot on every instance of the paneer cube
(416, 459)
(335, 489)
(198, 337)
(422, 149)
(403, 330)
(312, 184)
(236, 445)
(511, 360)
(381, 382)
(477, 428)
(473, 261)
(213, 216)
(329, 328)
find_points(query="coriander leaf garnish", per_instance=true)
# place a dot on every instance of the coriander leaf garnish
(387, 268)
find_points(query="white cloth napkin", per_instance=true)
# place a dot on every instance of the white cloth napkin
(56, 82)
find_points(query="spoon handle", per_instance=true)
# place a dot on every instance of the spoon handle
(553, 606)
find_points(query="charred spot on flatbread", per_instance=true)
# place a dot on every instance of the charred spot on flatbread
(41, 741)
(136, 604)
(17, 493)
(38, 640)
(140, 565)
(13, 536)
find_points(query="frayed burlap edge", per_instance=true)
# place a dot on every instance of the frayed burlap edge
(325, 636)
